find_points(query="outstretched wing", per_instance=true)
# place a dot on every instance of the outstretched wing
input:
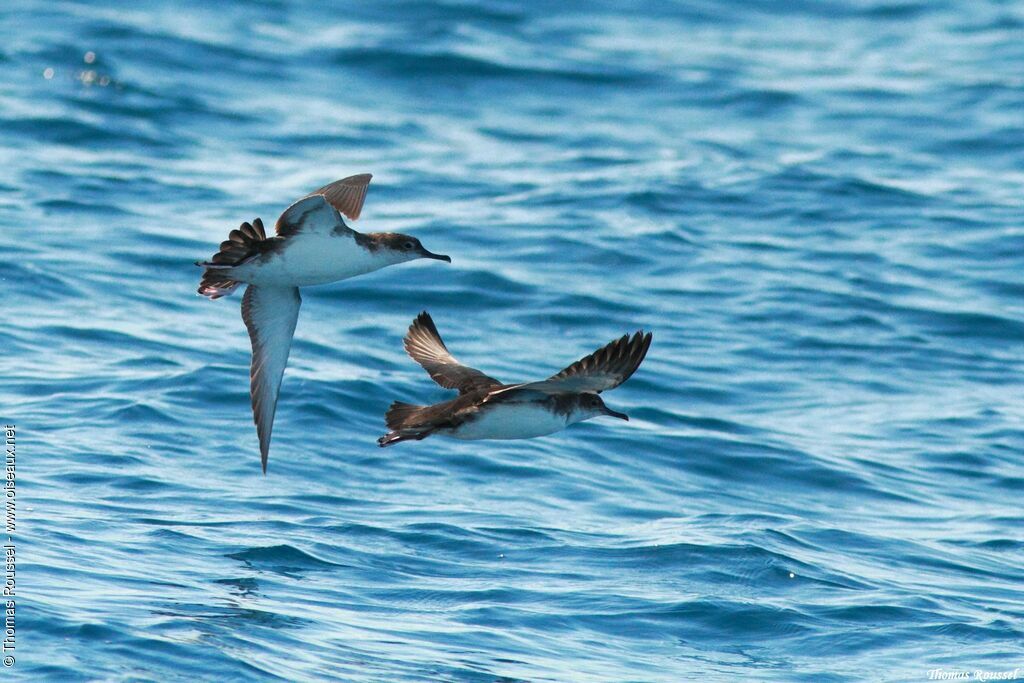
(308, 215)
(604, 369)
(424, 345)
(321, 211)
(270, 314)
(346, 195)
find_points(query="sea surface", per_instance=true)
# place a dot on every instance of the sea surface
(816, 206)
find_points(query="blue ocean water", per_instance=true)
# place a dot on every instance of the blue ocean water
(816, 207)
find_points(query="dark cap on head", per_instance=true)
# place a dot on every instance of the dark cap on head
(396, 241)
(589, 401)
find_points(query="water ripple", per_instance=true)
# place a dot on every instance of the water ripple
(814, 205)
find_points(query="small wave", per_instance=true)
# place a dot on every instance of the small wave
(454, 67)
(281, 556)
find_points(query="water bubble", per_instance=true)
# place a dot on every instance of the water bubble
(792, 575)
(90, 57)
(48, 73)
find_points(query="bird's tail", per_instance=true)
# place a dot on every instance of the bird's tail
(392, 438)
(239, 247)
(403, 424)
(215, 284)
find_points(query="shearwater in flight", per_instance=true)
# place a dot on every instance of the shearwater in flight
(313, 246)
(488, 409)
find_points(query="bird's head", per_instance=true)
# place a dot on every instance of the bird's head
(590, 405)
(399, 248)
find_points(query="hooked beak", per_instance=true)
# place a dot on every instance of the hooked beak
(439, 257)
(614, 413)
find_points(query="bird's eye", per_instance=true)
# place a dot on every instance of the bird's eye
(408, 245)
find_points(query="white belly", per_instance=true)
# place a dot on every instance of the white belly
(310, 260)
(511, 421)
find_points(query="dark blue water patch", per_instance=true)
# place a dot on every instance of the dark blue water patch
(433, 295)
(452, 68)
(285, 558)
(995, 544)
(890, 97)
(71, 672)
(161, 652)
(64, 131)
(741, 463)
(987, 247)
(827, 186)
(1009, 483)
(758, 102)
(15, 344)
(682, 199)
(311, 143)
(712, 394)
(223, 615)
(966, 567)
(130, 483)
(481, 468)
(515, 135)
(876, 614)
(711, 424)
(1007, 143)
(967, 324)
(182, 53)
(152, 362)
(134, 102)
(149, 187)
(1002, 289)
(42, 282)
(975, 633)
(86, 336)
(242, 586)
(136, 413)
(419, 14)
(622, 308)
(63, 207)
(900, 11)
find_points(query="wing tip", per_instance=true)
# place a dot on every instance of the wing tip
(637, 350)
(423, 318)
(620, 357)
(643, 339)
(263, 392)
(639, 341)
(346, 195)
(422, 326)
(263, 431)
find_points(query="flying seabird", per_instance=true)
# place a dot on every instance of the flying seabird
(488, 409)
(313, 246)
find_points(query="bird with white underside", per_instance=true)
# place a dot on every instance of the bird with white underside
(312, 246)
(488, 409)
